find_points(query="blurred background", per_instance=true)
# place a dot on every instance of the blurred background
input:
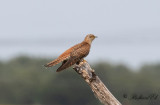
(126, 54)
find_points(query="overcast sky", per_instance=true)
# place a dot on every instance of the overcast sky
(128, 30)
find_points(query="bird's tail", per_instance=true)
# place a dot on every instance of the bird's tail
(56, 61)
(52, 63)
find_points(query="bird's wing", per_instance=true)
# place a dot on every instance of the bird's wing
(64, 56)
(76, 55)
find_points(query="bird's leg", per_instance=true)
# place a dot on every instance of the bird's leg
(85, 70)
(77, 66)
(80, 60)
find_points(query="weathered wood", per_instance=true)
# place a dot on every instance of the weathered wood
(97, 86)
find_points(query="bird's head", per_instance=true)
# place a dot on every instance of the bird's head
(89, 38)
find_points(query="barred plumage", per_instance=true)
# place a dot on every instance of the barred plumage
(74, 54)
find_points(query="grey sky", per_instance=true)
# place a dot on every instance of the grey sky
(128, 30)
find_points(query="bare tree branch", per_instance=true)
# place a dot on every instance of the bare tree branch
(97, 86)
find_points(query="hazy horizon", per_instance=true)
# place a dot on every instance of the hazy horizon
(128, 31)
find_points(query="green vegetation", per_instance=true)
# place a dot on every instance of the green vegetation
(24, 80)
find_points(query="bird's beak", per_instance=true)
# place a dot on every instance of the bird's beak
(96, 36)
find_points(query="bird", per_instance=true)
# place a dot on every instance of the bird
(74, 54)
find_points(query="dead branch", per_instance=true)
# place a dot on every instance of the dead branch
(97, 86)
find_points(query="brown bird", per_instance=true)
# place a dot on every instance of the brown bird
(74, 54)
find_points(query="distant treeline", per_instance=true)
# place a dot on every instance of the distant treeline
(25, 80)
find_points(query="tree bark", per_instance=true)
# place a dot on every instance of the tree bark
(97, 86)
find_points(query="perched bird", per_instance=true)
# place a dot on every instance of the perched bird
(74, 54)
